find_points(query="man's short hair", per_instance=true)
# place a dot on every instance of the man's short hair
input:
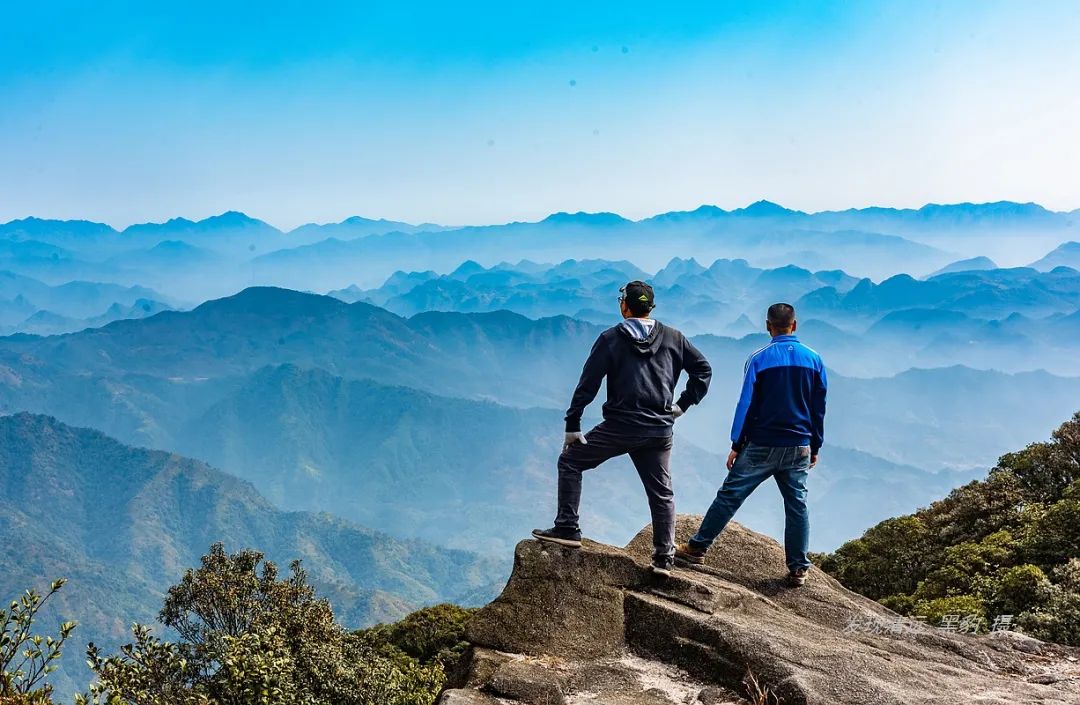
(781, 315)
(638, 297)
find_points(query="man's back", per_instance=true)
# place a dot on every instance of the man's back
(641, 375)
(783, 400)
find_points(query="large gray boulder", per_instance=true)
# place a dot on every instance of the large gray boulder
(596, 626)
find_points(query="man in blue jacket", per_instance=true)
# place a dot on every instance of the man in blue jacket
(642, 360)
(778, 431)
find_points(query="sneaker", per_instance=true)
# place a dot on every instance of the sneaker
(797, 578)
(663, 565)
(688, 553)
(559, 535)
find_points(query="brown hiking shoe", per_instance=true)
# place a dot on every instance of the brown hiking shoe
(797, 578)
(686, 552)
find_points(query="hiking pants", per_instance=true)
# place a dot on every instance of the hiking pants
(652, 458)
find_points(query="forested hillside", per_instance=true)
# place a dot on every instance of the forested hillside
(122, 523)
(1006, 546)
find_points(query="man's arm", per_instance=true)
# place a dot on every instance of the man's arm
(817, 412)
(740, 427)
(699, 373)
(592, 374)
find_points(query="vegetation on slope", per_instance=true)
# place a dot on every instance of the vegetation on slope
(1008, 545)
(245, 635)
(122, 523)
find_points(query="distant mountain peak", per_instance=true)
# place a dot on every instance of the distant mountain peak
(707, 209)
(174, 246)
(34, 220)
(231, 219)
(972, 264)
(468, 267)
(764, 208)
(271, 300)
(181, 227)
(994, 207)
(1067, 254)
(33, 225)
(583, 218)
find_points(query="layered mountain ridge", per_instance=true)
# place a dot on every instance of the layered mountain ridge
(123, 523)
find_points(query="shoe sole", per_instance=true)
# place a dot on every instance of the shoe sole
(661, 571)
(569, 543)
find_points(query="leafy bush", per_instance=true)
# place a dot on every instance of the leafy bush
(965, 564)
(431, 635)
(901, 604)
(887, 560)
(1058, 619)
(963, 606)
(250, 638)
(1022, 588)
(26, 659)
(1004, 545)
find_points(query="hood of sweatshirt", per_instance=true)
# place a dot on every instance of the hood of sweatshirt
(632, 331)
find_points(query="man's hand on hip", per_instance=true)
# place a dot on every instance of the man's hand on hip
(731, 457)
(676, 411)
(573, 437)
(813, 459)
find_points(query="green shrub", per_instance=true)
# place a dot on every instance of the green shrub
(901, 604)
(964, 564)
(1004, 545)
(887, 560)
(1055, 535)
(434, 634)
(250, 638)
(35, 698)
(1058, 621)
(1059, 618)
(27, 659)
(963, 606)
(1022, 588)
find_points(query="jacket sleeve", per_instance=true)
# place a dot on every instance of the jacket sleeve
(817, 410)
(699, 373)
(740, 427)
(592, 374)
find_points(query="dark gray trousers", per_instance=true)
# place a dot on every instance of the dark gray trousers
(651, 457)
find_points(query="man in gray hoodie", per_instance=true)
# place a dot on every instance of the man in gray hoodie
(642, 360)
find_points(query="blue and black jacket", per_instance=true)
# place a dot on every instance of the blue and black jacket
(783, 398)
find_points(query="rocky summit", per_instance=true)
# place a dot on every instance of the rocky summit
(596, 626)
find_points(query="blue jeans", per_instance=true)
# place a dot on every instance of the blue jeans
(755, 464)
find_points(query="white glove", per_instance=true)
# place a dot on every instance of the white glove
(676, 411)
(572, 438)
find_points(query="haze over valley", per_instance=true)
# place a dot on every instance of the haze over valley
(385, 400)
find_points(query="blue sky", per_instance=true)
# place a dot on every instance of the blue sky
(488, 112)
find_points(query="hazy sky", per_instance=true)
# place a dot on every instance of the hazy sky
(461, 112)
